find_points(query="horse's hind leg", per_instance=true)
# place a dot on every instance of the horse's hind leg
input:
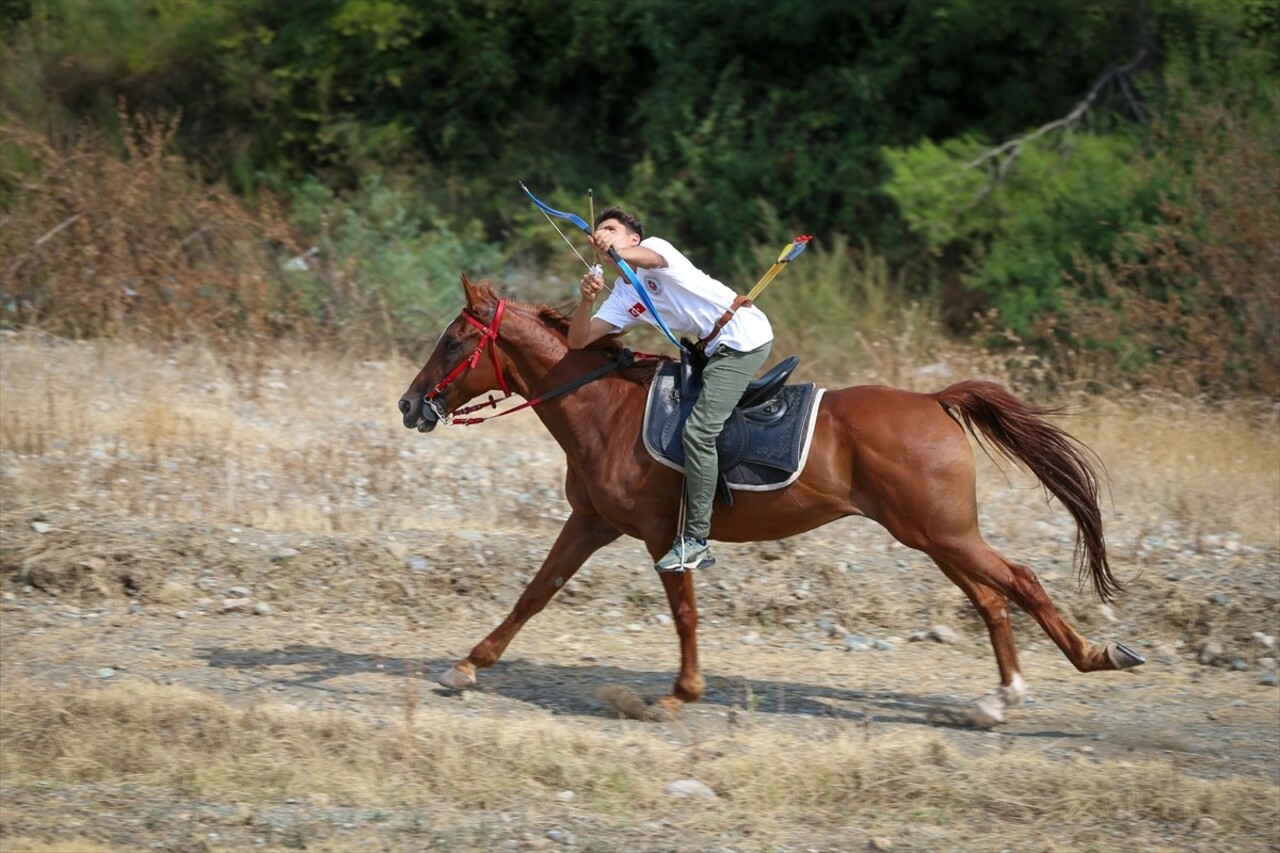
(580, 537)
(993, 607)
(983, 564)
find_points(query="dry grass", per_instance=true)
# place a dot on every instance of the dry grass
(311, 441)
(767, 783)
(101, 241)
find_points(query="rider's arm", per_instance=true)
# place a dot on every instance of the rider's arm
(641, 256)
(584, 328)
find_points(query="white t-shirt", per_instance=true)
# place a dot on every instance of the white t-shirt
(688, 300)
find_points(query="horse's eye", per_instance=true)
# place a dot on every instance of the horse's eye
(452, 344)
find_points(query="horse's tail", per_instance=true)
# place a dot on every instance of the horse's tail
(1065, 467)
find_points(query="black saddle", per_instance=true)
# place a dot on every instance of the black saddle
(764, 442)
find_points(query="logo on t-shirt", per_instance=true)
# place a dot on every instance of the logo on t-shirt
(636, 310)
(653, 285)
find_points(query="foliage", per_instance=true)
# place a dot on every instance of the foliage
(1193, 303)
(100, 242)
(1022, 235)
(397, 131)
(379, 264)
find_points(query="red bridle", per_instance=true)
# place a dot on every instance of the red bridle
(487, 333)
(490, 333)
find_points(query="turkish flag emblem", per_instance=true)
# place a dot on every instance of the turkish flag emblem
(636, 310)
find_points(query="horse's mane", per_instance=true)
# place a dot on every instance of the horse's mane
(609, 346)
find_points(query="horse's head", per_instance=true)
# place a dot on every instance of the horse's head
(458, 369)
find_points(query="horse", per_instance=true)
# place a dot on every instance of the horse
(900, 458)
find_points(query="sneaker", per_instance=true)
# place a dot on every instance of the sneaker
(686, 553)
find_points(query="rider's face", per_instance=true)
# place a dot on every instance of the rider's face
(618, 235)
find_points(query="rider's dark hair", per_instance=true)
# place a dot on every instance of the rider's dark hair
(628, 221)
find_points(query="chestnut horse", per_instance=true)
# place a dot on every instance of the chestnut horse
(898, 457)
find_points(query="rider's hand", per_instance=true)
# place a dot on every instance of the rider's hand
(590, 286)
(602, 240)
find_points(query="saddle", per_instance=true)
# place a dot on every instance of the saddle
(764, 443)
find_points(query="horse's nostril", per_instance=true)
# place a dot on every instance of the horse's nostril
(404, 406)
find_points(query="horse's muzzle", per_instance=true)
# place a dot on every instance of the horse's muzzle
(417, 415)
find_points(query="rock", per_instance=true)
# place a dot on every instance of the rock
(106, 672)
(565, 796)
(1206, 824)
(1269, 679)
(943, 634)
(239, 592)
(262, 609)
(418, 563)
(399, 550)
(685, 788)
(41, 527)
(1165, 653)
(855, 643)
(1267, 664)
(1219, 598)
(236, 605)
(1265, 640)
(284, 554)
(1211, 651)
(878, 842)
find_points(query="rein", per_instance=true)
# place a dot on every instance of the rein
(625, 358)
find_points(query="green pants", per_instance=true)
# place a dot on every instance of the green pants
(723, 380)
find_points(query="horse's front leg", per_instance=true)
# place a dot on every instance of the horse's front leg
(684, 610)
(580, 537)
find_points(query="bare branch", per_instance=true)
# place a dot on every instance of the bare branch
(999, 159)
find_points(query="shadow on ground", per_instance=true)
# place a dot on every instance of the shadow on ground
(575, 689)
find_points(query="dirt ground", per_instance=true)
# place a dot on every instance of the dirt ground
(813, 635)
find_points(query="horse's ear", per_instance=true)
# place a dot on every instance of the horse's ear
(474, 300)
(480, 297)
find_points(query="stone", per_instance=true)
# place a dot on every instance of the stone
(943, 634)
(686, 788)
(1211, 651)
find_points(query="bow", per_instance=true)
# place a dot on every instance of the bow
(622, 265)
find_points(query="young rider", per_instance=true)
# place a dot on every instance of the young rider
(690, 302)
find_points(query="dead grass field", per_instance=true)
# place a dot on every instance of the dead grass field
(141, 486)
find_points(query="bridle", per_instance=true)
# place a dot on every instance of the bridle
(489, 333)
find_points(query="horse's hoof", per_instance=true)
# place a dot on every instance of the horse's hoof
(1123, 657)
(987, 713)
(456, 679)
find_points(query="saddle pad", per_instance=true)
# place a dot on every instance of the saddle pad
(761, 448)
